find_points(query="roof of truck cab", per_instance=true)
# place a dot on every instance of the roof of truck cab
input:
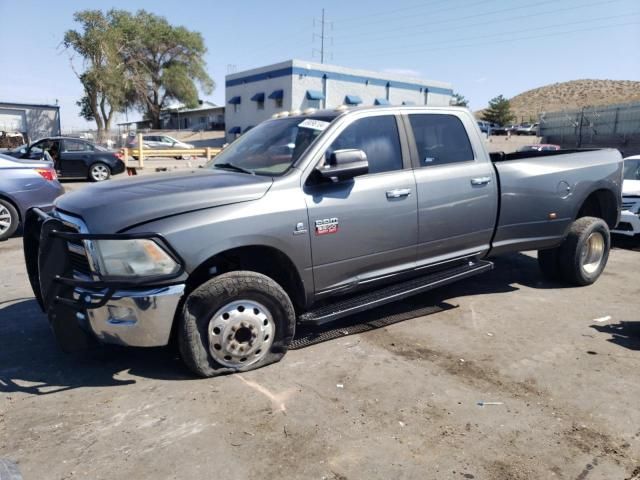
(342, 110)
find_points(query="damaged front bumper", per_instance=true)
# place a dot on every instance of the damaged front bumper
(84, 308)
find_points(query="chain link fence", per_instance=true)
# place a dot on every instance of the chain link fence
(613, 126)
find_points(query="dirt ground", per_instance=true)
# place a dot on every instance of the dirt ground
(396, 402)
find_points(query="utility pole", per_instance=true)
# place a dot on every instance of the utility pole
(322, 36)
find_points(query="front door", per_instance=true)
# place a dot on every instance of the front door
(365, 228)
(457, 188)
(52, 147)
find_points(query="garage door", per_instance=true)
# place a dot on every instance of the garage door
(12, 120)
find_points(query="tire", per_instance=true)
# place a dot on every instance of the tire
(9, 219)
(9, 470)
(549, 264)
(99, 172)
(236, 322)
(584, 253)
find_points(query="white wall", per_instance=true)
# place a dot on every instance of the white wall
(345, 82)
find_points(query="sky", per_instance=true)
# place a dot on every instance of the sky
(483, 47)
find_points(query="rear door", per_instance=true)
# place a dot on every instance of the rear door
(456, 184)
(365, 228)
(75, 157)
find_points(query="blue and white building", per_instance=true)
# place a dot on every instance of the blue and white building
(255, 95)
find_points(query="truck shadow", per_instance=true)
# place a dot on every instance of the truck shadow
(624, 334)
(31, 361)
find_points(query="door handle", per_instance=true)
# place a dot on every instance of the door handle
(399, 193)
(480, 180)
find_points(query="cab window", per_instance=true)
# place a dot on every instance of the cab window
(440, 139)
(377, 137)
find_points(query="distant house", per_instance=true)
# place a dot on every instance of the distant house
(206, 116)
(33, 121)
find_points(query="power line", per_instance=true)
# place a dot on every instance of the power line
(480, 2)
(510, 40)
(387, 12)
(460, 27)
(457, 19)
(545, 27)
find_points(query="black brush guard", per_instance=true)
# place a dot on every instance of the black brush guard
(57, 290)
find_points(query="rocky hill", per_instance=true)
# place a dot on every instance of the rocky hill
(573, 94)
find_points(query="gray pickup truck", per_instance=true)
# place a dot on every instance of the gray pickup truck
(309, 218)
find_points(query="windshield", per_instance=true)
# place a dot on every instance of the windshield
(632, 169)
(273, 146)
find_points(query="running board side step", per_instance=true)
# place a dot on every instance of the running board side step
(372, 299)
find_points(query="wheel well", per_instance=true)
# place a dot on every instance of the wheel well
(601, 204)
(261, 259)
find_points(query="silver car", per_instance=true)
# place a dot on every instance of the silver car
(160, 142)
(24, 184)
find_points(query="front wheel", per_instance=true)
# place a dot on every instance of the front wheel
(99, 172)
(236, 322)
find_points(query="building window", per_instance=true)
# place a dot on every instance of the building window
(278, 102)
(313, 103)
(260, 104)
(235, 108)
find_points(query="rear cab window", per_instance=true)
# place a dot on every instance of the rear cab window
(440, 139)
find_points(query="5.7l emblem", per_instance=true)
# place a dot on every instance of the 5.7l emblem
(327, 226)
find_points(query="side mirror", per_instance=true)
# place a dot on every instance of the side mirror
(345, 164)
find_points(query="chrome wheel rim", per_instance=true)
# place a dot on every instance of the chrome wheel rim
(240, 333)
(5, 219)
(99, 172)
(592, 253)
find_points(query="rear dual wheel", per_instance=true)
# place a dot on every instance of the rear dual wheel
(582, 256)
(236, 322)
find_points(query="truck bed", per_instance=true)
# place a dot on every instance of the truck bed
(541, 193)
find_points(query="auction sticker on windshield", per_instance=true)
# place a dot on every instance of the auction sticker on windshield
(319, 125)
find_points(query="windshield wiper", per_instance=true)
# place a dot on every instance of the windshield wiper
(231, 166)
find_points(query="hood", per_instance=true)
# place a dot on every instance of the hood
(114, 205)
(631, 187)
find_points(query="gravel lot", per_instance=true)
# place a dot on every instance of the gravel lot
(398, 401)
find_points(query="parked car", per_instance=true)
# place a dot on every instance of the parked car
(74, 157)
(503, 130)
(527, 129)
(485, 127)
(366, 206)
(160, 142)
(629, 224)
(540, 147)
(24, 184)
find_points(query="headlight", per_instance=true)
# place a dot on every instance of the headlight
(133, 257)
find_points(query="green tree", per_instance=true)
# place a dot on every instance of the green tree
(163, 63)
(101, 71)
(499, 111)
(458, 100)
